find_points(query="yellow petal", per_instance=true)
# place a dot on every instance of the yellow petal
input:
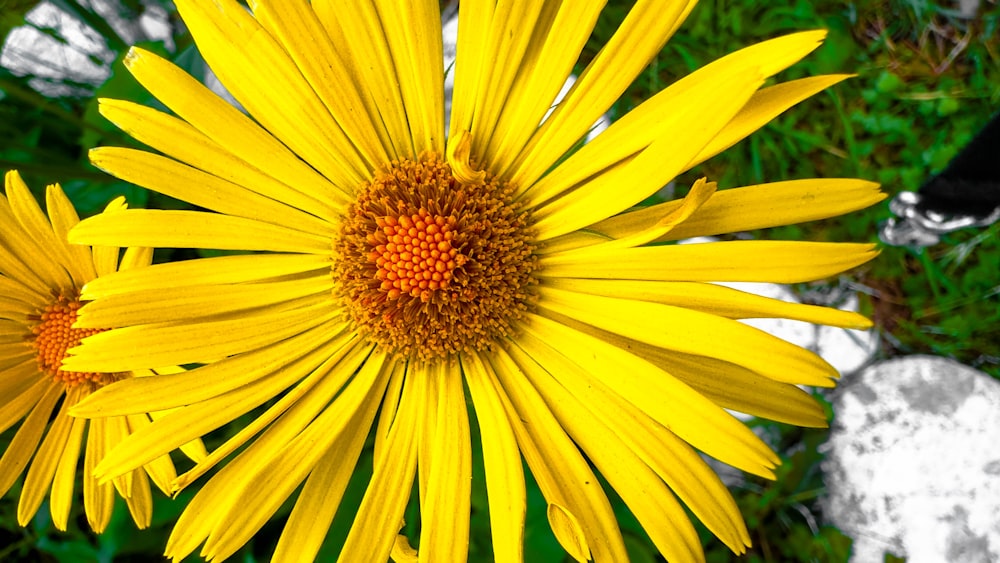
(502, 460)
(236, 133)
(741, 260)
(296, 27)
(709, 103)
(193, 229)
(642, 34)
(195, 302)
(693, 332)
(43, 466)
(669, 456)
(64, 479)
(650, 120)
(140, 501)
(98, 498)
(214, 499)
(79, 261)
(206, 271)
(181, 181)
(13, 288)
(259, 73)
(735, 387)
(471, 63)
(555, 45)
(23, 445)
(380, 514)
(28, 237)
(643, 491)
(688, 414)
(445, 508)
(568, 531)
(764, 106)
(295, 410)
(714, 299)
(562, 473)
(150, 346)
(358, 34)
(349, 416)
(20, 389)
(754, 207)
(507, 39)
(413, 33)
(700, 192)
(309, 523)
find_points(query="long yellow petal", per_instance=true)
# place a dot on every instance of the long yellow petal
(195, 302)
(193, 229)
(556, 43)
(646, 28)
(651, 120)
(64, 479)
(710, 104)
(140, 501)
(214, 498)
(98, 498)
(235, 132)
(43, 466)
(352, 412)
(693, 332)
(151, 346)
(106, 256)
(167, 391)
(445, 508)
(502, 460)
(691, 416)
(413, 33)
(181, 181)
(259, 73)
(290, 414)
(27, 237)
(380, 515)
(741, 260)
(507, 39)
(714, 299)
(20, 389)
(219, 270)
(308, 524)
(754, 207)
(643, 491)
(15, 289)
(295, 25)
(63, 216)
(584, 513)
(669, 456)
(23, 445)
(735, 387)
(357, 32)
(764, 106)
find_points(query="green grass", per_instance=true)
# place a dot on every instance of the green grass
(926, 81)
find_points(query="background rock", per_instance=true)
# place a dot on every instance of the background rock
(913, 466)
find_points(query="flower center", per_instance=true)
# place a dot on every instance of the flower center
(430, 266)
(54, 335)
(414, 255)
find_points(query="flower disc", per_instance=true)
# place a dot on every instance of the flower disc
(429, 265)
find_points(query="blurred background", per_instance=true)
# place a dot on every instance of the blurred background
(928, 78)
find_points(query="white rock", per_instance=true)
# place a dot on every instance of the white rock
(913, 466)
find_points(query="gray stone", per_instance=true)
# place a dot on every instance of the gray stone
(912, 462)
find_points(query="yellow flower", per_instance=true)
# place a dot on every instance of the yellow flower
(40, 280)
(400, 277)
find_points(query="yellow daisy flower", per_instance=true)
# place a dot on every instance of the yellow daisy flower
(401, 277)
(40, 280)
